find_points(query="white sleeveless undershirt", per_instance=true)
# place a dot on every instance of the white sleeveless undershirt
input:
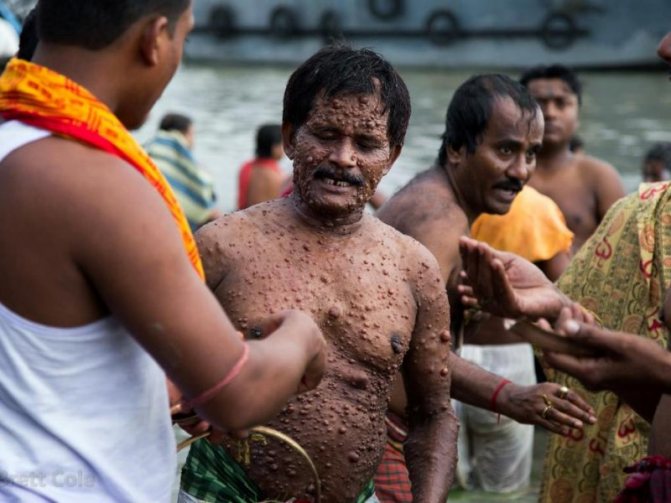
(83, 411)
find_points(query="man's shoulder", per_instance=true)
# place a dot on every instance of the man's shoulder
(594, 166)
(412, 250)
(420, 205)
(388, 233)
(70, 169)
(250, 220)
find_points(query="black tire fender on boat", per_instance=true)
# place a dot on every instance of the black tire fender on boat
(558, 30)
(442, 27)
(330, 25)
(386, 9)
(283, 22)
(222, 21)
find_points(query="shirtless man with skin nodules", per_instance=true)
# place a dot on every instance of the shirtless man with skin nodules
(376, 294)
(582, 186)
(493, 132)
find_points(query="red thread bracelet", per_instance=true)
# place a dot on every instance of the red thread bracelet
(208, 394)
(495, 395)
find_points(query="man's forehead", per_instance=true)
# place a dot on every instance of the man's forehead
(340, 99)
(509, 118)
(349, 106)
(549, 88)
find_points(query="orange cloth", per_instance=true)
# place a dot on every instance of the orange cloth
(42, 98)
(534, 228)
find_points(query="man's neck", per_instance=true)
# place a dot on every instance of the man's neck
(89, 70)
(454, 187)
(341, 225)
(553, 157)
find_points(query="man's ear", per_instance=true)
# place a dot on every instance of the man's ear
(150, 42)
(455, 156)
(288, 139)
(393, 155)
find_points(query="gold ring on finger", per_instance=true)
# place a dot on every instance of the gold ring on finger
(546, 411)
(563, 392)
(547, 400)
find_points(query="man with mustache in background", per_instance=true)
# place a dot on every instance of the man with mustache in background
(493, 132)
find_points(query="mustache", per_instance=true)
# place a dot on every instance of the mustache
(512, 184)
(327, 171)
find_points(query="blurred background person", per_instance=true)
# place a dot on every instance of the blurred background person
(172, 151)
(583, 187)
(657, 163)
(261, 179)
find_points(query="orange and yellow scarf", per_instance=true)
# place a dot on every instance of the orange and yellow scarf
(44, 99)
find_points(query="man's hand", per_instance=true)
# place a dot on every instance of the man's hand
(621, 362)
(185, 419)
(297, 322)
(548, 405)
(505, 284)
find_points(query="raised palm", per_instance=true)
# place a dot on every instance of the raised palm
(505, 284)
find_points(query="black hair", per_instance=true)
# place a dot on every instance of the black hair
(471, 107)
(267, 136)
(95, 24)
(560, 72)
(175, 122)
(660, 152)
(576, 143)
(28, 39)
(341, 70)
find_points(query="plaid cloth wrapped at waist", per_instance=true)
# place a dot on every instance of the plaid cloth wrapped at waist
(211, 474)
(392, 480)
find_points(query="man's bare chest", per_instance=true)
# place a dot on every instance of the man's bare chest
(575, 199)
(364, 306)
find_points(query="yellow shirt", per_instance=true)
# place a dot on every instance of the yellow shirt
(534, 228)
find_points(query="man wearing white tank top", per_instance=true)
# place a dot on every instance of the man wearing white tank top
(99, 296)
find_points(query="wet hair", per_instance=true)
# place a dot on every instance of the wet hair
(175, 122)
(95, 24)
(471, 108)
(576, 143)
(28, 39)
(267, 136)
(339, 70)
(660, 152)
(560, 72)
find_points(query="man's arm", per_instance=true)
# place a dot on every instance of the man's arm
(475, 386)
(554, 267)
(525, 404)
(130, 250)
(607, 184)
(431, 448)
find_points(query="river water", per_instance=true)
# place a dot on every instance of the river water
(622, 115)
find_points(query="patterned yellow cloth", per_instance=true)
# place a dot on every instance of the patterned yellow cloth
(620, 274)
(534, 228)
(40, 97)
